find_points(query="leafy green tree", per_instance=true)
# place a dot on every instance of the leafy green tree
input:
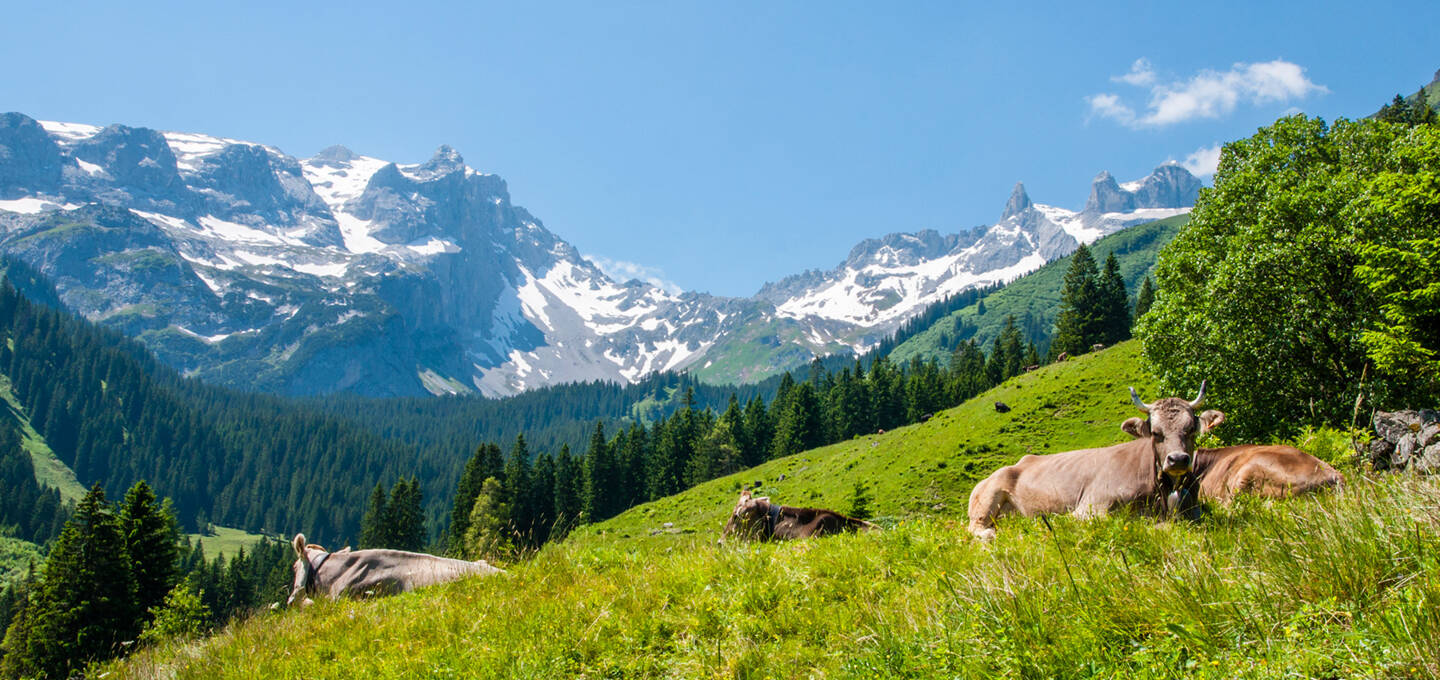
(488, 534)
(151, 540)
(1277, 291)
(182, 615)
(84, 606)
(477, 470)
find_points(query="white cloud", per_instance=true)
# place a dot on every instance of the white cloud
(1208, 94)
(1203, 161)
(623, 271)
(1140, 75)
(1110, 106)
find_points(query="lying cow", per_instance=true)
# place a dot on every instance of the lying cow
(759, 519)
(371, 572)
(1269, 471)
(1152, 473)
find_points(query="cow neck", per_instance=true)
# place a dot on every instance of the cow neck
(311, 581)
(772, 518)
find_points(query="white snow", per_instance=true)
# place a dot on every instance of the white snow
(337, 182)
(432, 246)
(90, 168)
(34, 206)
(321, 269)
(69, 132)
(165, 221)
(211, 339)
(189, 148)
(233, 231)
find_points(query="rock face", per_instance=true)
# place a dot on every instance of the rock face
(1406, 440)
(245, 266)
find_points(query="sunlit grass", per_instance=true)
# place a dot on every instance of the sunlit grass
(1329, 586)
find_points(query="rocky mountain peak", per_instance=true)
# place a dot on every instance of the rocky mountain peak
(445, 161)
(28, 156)
(1106, 195)
(1019, 202)
(336, 153)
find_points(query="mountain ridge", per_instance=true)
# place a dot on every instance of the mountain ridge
(247, 267)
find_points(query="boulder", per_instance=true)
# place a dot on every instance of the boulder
(1406, 440)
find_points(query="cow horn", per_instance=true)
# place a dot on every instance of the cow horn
(1139, 404)
(1199, 398)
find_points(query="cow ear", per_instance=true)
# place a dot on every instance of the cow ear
(1210, 419)
(299, 544)
(343, 550)
(1136, 427)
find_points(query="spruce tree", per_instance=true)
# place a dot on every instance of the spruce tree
(1114, 304)
(466, 490)
(859, 504)
(567, 491)
(151, 539)
(84, 606)
(405, 520)
(1078, 325)
(1144, 299)
(375, 528)
(598, 484)
(518, 491)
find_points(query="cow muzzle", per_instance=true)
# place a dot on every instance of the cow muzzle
(1178, 463)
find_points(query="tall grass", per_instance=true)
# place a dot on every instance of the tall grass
(1339, 585)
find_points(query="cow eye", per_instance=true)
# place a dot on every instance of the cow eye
(1159, 437)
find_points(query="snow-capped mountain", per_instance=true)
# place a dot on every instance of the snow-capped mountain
(884, 281)
(245, 266)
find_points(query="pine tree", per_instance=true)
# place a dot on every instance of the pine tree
(466, 490)
(1078, 325)
(375, 527)
(1114, 304)
(151, 539)
(518, 491)
(1144, 299)
(598, 485)
(405, 520)
(800, 427)
(568, 480)
(83, 607)
(859, 505)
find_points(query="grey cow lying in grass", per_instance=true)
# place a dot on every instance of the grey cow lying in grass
(363, 573)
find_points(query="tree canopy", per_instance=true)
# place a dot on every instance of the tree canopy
(1307, 277)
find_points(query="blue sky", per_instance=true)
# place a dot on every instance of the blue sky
(717, 146)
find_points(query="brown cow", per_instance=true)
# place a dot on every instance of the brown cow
(759, 519)
(1152, 473)
(371, 572)
(1263, 470)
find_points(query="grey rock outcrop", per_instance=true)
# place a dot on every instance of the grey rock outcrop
(1406, 440)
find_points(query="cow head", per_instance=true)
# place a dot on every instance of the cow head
(1172, 427)
(748, 517)
(304, 569)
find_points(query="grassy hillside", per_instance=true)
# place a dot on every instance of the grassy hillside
(1038, 294)
(917, 470)
(49, 470)
(1336, 585)
(225, 541)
